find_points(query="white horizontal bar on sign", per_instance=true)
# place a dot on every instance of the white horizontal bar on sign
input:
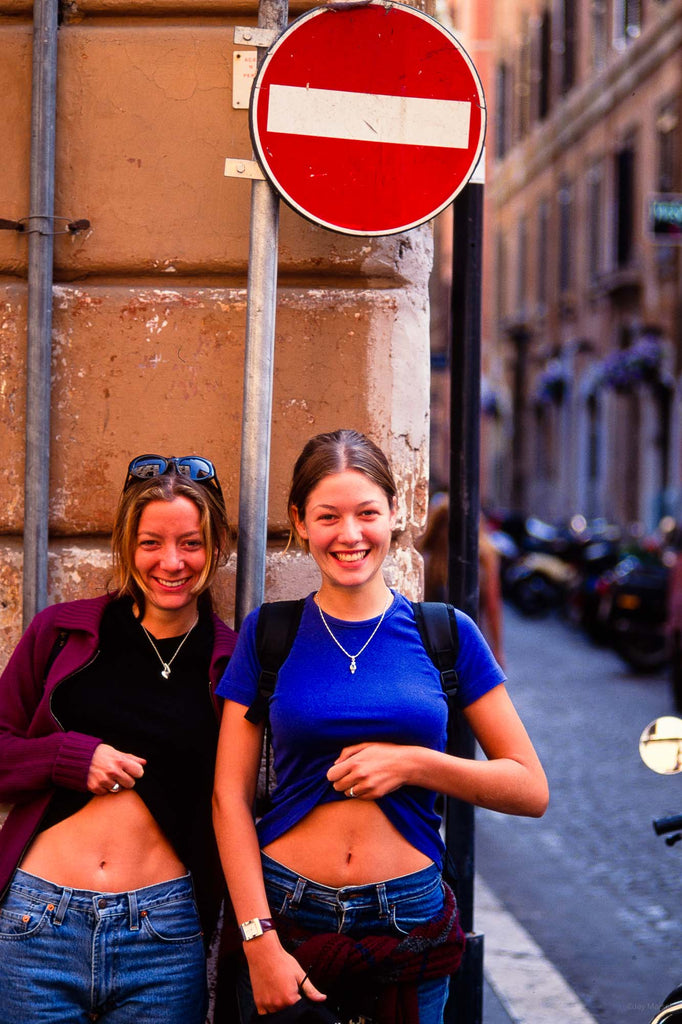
(369, 117)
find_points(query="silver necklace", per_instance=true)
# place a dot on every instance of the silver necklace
(166, 665)
(354, 657)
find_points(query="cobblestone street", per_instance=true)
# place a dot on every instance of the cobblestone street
(593, 885)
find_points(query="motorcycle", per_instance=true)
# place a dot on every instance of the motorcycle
(632, 611)
(660, 747)
(600, 554)
(536, 580)
(557, 564)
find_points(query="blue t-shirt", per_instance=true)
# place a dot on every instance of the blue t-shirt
(319, 707)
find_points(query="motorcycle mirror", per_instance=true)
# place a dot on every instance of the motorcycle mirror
(671, 1011)
(660, 745)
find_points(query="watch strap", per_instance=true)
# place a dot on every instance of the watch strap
(256, 927)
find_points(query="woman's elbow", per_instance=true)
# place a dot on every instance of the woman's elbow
(219, 804)
(538, 799)
(229, 803)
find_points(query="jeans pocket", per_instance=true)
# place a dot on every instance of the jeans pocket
(22, 917)
(409, 913)
(173, 922)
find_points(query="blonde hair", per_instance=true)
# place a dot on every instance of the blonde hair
(136, 496)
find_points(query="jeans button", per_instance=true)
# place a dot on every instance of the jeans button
(101, 904)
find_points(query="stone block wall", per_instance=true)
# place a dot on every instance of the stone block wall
(150, 302)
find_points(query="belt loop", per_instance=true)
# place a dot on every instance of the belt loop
(382, 900)
(298, 891)
(134, 911)
(62, 906)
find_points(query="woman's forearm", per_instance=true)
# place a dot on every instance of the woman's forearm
(502, 784)
(240, 857)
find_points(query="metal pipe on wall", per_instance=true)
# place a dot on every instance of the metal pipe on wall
(258, 372)
(39, 326)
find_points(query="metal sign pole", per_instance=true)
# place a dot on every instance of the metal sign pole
(261, 305)
(39, 327)
(465, 1005)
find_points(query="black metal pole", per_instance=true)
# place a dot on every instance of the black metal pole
(465, 1005)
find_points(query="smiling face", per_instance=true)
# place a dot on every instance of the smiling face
(347, 524)
(170, 556)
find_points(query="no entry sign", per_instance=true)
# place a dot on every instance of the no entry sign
(367, 120)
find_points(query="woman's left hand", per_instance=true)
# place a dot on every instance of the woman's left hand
(370, 770)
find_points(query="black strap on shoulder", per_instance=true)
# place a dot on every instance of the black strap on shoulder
(276, 629)
(60, 641)
(437, 627)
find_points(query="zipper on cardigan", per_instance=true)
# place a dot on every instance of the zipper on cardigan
(61, 682)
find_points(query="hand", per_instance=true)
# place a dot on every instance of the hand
(277, 978)
(110, 766)
(371, 769)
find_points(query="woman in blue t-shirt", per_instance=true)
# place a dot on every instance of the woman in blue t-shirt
(342, 875)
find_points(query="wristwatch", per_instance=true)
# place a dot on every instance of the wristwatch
(256, 927)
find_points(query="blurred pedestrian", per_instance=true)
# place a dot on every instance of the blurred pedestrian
(490, 592)
(434, 550)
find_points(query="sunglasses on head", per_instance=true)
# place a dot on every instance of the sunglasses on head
(201, 470)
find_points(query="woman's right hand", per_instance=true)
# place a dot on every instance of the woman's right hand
(110, 768)
(277, 978)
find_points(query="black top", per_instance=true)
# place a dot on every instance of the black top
(122, 697)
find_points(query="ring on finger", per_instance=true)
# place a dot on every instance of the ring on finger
(350, 792)
(115, 788)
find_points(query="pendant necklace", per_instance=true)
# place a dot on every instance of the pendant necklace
(354, 657)
(166, 665)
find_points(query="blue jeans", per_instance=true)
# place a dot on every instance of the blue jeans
(71, 955)
(393, 907)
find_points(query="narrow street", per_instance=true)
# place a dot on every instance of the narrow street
(592, 884)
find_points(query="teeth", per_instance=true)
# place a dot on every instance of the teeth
(349, 556)
(172, 583)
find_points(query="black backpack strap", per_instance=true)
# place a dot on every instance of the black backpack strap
(437, 625)
(276, 629)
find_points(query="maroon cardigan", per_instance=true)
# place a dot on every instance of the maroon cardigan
(36, 754)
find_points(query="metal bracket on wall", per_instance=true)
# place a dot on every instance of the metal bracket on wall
(263, 37)
(72, 226)
(243, 169)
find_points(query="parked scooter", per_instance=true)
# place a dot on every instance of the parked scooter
(555, 564)
(601, 552)
(660, 748)
(632, 611)
(537, 580)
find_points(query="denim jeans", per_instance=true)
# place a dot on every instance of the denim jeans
(393, 907)
(71, 955)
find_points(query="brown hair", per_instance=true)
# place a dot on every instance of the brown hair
(166, 487)
(336, 452)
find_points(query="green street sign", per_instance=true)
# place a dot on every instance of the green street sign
(664, 218)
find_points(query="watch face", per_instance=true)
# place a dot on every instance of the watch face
(252, 929)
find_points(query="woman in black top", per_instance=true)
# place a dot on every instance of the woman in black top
(108, 733)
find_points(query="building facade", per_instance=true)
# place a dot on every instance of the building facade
(584, 198)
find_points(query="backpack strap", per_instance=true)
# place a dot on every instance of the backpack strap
(276, 629)
(437, 625)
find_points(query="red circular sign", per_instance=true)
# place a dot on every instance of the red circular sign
(367, 120)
